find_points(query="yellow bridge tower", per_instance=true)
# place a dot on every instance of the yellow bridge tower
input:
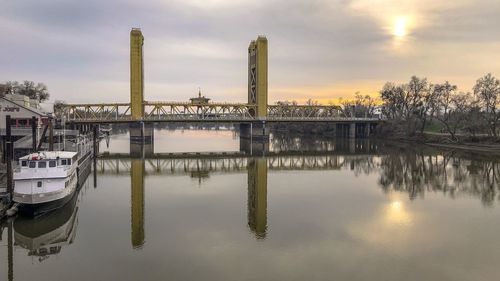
(257, 76)
(136, 74)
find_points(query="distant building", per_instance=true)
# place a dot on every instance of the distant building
(199, 99)
(20, 112)
(24, 101)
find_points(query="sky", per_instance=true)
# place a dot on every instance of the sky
(318, 49)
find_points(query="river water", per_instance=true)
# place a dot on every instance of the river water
(314, 209)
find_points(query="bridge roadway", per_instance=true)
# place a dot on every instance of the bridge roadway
(227, 162)
(210, 112)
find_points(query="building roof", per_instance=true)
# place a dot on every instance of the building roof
(33, 110)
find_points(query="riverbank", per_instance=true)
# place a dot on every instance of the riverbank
(485, 144)
(482, 144)
(473, 147)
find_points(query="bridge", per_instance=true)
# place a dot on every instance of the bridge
(253, 115)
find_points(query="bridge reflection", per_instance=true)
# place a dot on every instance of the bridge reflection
(137, 202)
(257, 170)
(257, 196)
(414, 170)
(202, 165)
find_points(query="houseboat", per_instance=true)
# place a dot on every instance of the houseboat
(45, 181)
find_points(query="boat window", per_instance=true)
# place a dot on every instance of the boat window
(42, 164)
(24, 163)
(32, 164)
(39, 184)
(52, 163)
(69, 161)
(63, 162)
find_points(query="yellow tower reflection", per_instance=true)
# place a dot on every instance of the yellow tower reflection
(137, 202)
(257, 196)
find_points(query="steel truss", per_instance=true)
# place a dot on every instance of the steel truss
(178, 111)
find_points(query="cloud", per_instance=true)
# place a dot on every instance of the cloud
(315, 44)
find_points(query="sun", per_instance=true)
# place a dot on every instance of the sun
(400, 27)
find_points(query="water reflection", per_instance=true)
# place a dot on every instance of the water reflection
(137, 202)
(45, 236)
(422, 169)
(257, 196)
(413, 170)
(327, 204)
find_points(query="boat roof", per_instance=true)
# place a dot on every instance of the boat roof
(49, 155)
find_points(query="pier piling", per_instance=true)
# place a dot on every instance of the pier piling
(34, 126)
(8, 156)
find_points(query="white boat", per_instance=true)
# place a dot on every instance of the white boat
(45, 181)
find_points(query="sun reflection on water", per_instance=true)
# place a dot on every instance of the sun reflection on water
(396, 214)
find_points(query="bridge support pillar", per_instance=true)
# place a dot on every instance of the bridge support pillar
(352, 130)
(255, 131)
(141, 133)
(367, 130)
(141, 150)
(254, 138)
(256, 148)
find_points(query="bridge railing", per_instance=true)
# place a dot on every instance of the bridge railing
(178, 111)
(190, 111)
(94, 112)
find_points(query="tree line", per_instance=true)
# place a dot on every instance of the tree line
(409, 107)
(30, 89)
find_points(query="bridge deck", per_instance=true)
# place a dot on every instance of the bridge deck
(204, 113)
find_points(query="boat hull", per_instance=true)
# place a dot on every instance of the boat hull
(34, 210)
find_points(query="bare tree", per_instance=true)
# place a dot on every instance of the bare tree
(487, 90)
(474, 120)
(28, 88)
(364, 105)
(444, 112)
(452, 108)
(409, 103)
(392, 96)
(420, 100)
(58, 106)
(360, 106)
(4, 89)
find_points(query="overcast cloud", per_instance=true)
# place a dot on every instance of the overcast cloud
(317, 49)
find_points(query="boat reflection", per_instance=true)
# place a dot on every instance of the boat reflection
(45, 236)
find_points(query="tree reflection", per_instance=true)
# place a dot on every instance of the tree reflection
(417, 169)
